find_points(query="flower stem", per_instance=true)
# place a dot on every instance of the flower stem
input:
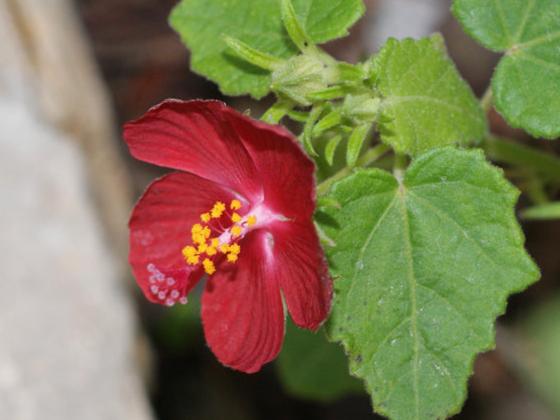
(366, 159)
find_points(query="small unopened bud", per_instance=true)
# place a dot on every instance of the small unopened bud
(361, 108)
(300, 76)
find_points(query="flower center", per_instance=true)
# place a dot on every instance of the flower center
(218, 235)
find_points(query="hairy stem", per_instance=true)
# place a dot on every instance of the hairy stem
(487, 100)
(366, 159)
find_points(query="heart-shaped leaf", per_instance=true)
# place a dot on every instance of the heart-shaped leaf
(203, 24)
(423, 266)
(527, 79)
(426, 103)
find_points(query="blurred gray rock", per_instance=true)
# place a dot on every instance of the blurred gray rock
(403, 18)
(66, 324)
(68, 334)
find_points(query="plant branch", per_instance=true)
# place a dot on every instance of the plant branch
(487, 100)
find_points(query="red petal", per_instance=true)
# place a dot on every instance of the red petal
(242, 309)
(160, 227)
(301, 271)
(197, 137)
(285, 170)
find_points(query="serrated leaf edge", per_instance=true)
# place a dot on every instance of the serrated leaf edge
(513, 194)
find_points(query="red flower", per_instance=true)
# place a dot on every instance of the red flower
(240, 210)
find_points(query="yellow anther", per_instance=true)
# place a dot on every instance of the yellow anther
(215, 242)
(235, 217)
(198, 238)
(206, 232)
(224, 248)
(202, 248)
(205, 217)
(236, 230)
(218, 209)
(196, 228)
(232, 258)
(235, 205)
(193, 260)
(211, 251)
(251, 220)
(235, 249)
(189, 251)
(209, 266)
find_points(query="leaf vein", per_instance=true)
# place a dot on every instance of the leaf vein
(521, 30)
(453, 307)
(498, 6)
(454, 108)
(386, 337)
(413, 308)
(457, 225)
(368, 241)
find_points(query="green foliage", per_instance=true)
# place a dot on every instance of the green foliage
(546, 165)
(330, 149)
(355, 143)
(539, 359)
(547, 211)
(527, 79)
(423, 266)
(180, 328)
(425, 102)
(424, 259)
(310, 367)
(203, 24)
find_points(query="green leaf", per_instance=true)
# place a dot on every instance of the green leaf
(293, 26)
(514, 153)
(426, 103)
(327, 94)
(332, 119)
(548, 211)
(307, 134)
(423, 268)
(276, 112)
(202, 25)
(312, 368)
(330, 149)
(356, 143)
(527, 79)
(252, 56)
(537, 356)
(180, 329)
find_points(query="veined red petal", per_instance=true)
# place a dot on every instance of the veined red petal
(299, 267)
(194, 136)
(242, 309)
(285, 171)
(160, 227)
